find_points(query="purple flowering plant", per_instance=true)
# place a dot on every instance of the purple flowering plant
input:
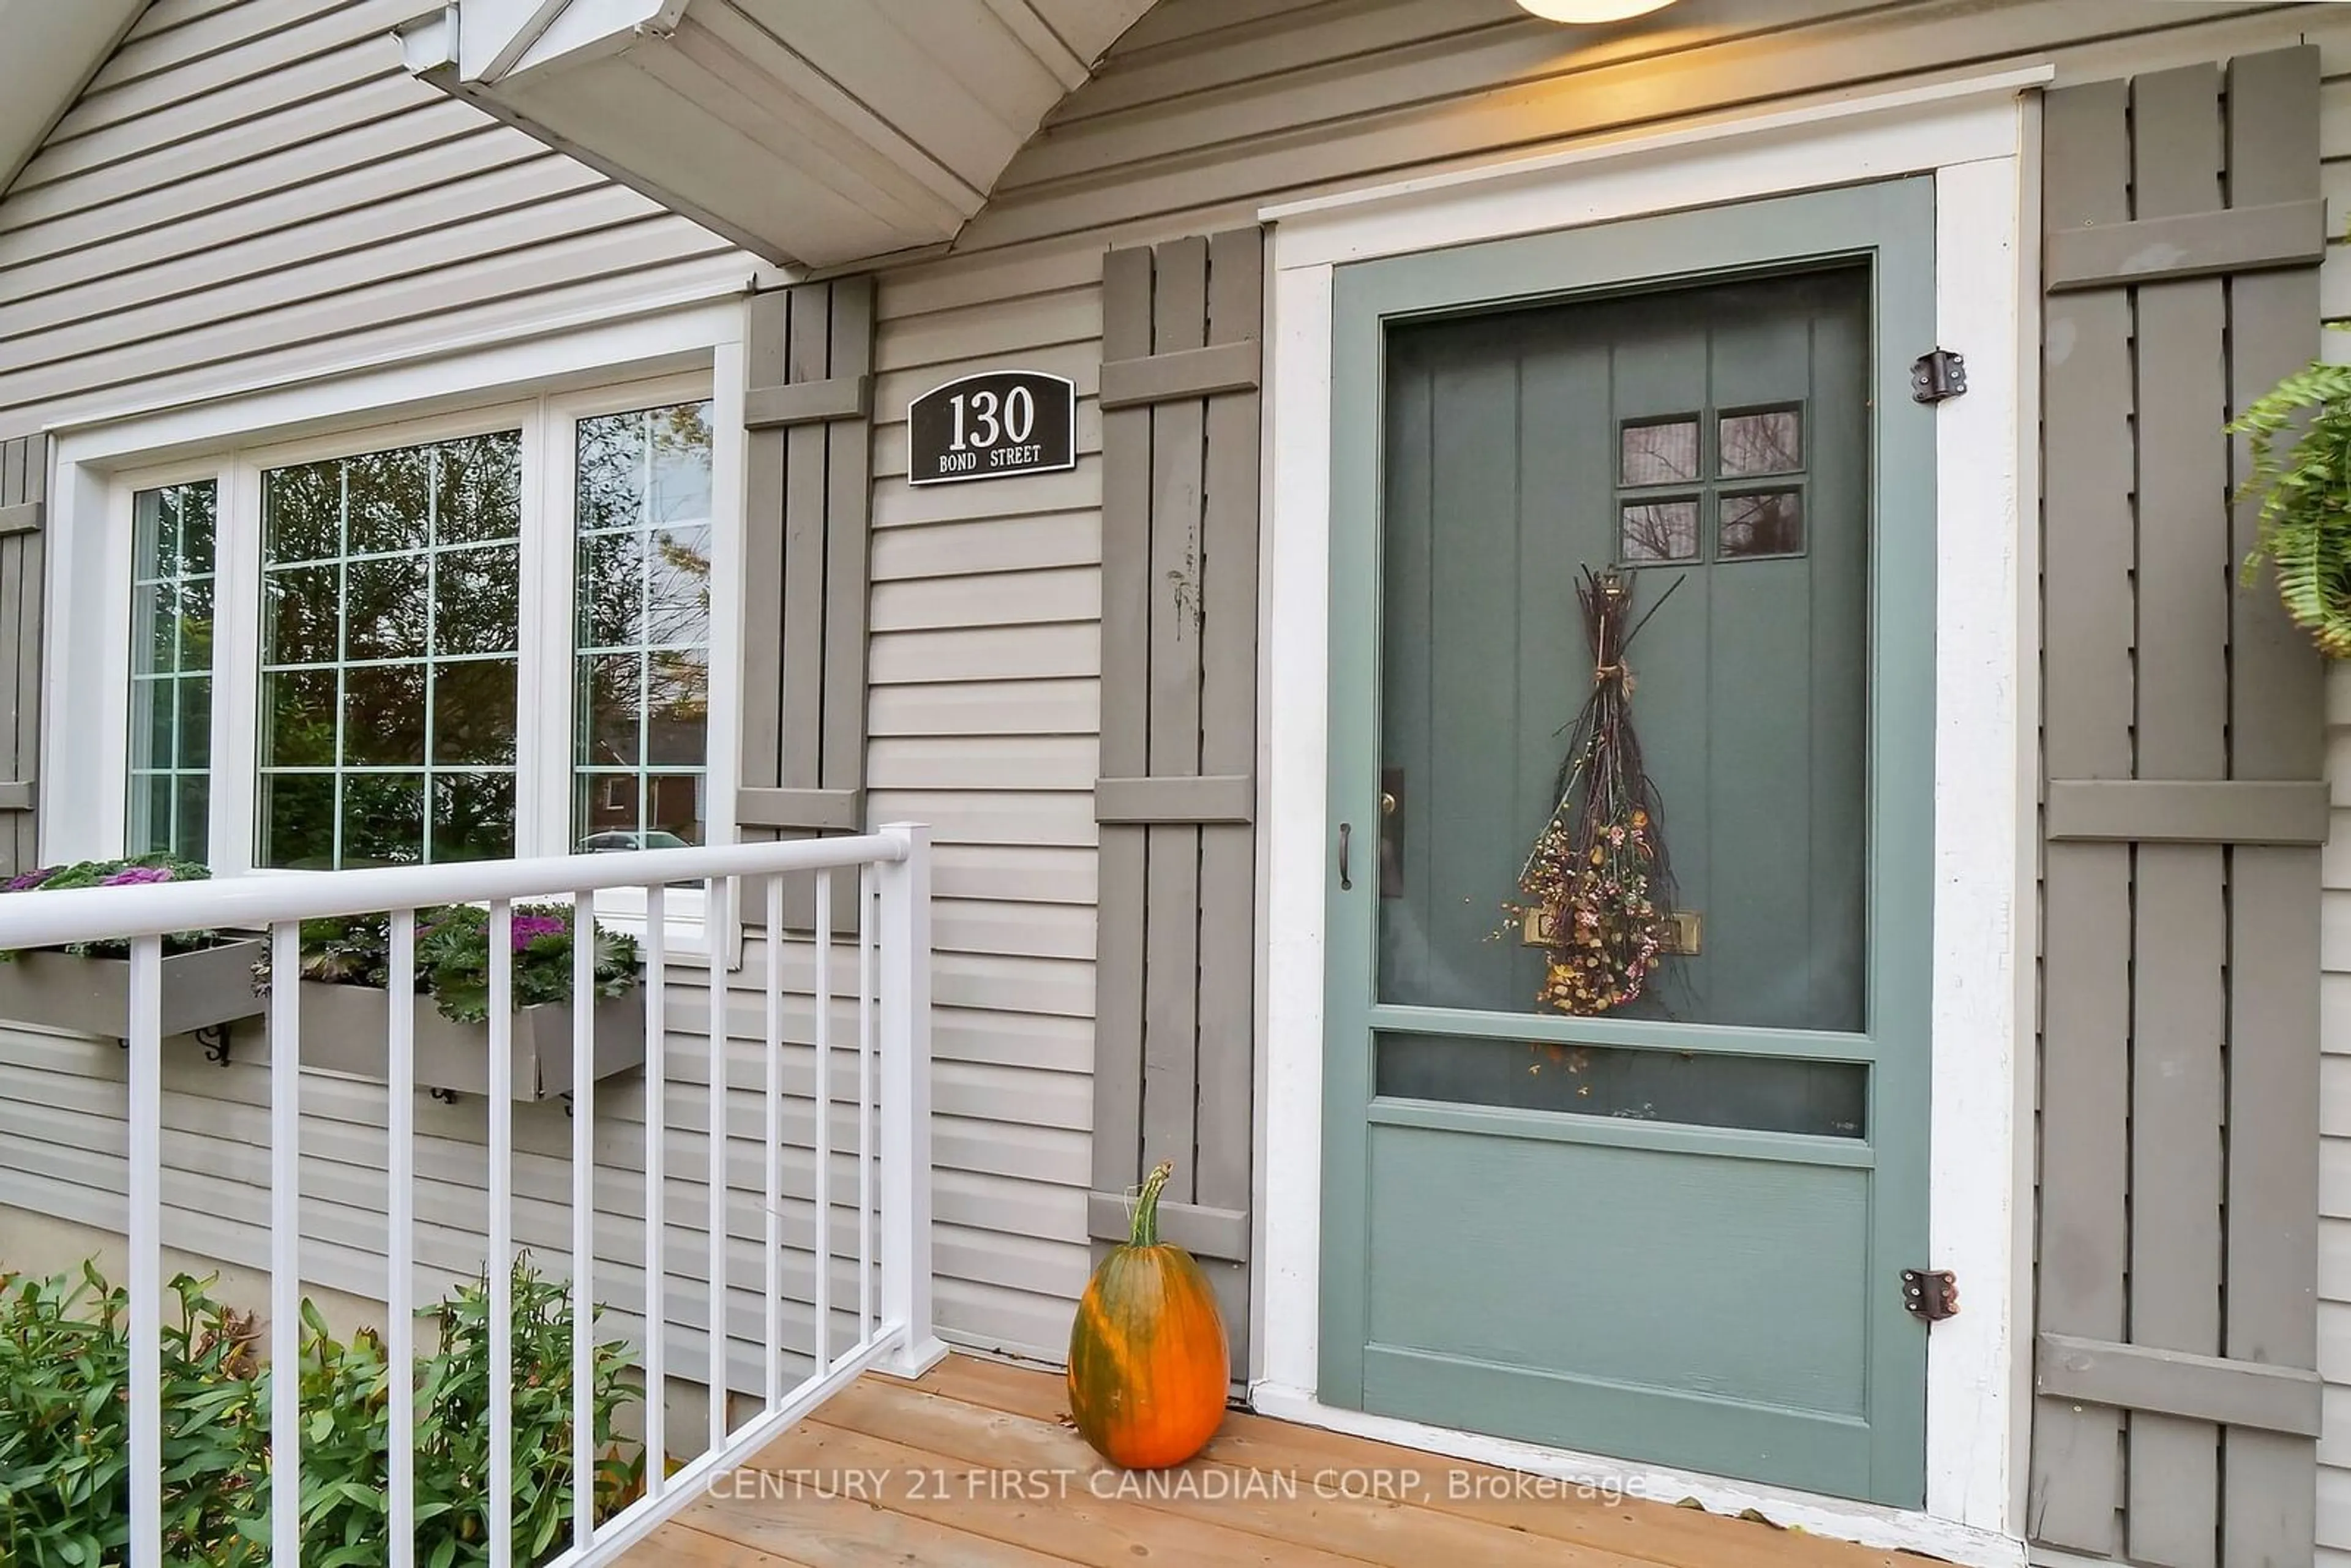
(117, 873)
(453, 956)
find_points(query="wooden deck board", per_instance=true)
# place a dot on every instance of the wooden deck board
(973, 1466)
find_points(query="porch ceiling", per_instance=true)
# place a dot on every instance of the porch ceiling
(808, 131)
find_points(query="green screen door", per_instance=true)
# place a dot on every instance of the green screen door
(1633, 599)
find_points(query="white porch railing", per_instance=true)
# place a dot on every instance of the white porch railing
(893, 1001)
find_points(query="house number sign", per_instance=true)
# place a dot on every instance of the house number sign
(992, 426)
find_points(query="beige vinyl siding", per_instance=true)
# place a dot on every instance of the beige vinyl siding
(985, 661)
(2334, 1547)
(62, 1147)
(1207, 111)
(985, 706)
(256, 191)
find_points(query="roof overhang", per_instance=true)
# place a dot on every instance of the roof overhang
(810, 132)
(48, 51)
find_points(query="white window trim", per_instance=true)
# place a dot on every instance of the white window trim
(1971, 137)
(541, 386)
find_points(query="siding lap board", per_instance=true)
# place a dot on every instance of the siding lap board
(2334, 1108)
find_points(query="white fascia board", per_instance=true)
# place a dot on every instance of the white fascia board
(493, 34)
(589, 28)
(486, 41)
(53, 48)
(428, 44)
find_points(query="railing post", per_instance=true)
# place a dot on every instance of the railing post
(145, 1147)
(906, 1093)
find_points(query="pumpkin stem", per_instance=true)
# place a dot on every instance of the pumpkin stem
(1145, 1232)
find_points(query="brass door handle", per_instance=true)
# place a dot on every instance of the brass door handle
(1391, 867)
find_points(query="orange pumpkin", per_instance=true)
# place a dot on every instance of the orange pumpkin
(1147, 1355)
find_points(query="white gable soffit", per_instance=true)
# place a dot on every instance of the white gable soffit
(48, 51)
(810, 132)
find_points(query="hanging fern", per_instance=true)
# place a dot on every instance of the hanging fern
(2305, 519)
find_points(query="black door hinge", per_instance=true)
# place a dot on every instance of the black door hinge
(1937, 374)
(1930, 1295)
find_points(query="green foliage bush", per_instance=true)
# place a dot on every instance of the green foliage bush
(65, 1433)
(2304, 524)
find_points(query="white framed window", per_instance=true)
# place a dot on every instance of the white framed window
(480, 632)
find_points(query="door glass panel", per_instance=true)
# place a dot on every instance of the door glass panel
(1660, 530)
(1659, 452)
(1773, 1094)
(1771, 441)
(1524, 448)
(1765, 522)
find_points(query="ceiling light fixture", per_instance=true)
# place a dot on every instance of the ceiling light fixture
(1588, 11)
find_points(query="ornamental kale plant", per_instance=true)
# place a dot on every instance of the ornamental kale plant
(453, 956)
(117, 873)
(64, 1361)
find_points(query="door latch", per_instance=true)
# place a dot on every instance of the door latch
(1930, 1295)
(1391, 832)
(1937, 374)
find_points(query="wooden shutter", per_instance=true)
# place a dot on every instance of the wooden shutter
(2182, 819)
(24, 479)
(806, 406)
(1176, 801)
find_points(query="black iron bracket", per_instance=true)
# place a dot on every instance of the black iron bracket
(1937, 374)
(1930, 1295)
(214, 1038)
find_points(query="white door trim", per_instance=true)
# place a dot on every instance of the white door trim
(1969, 136)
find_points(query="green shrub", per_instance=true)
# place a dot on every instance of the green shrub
(64, 1360)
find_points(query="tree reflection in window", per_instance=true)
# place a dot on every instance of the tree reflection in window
(1659, 530)
(1763, 522)
(641, 654)
(1768, 441)
(390, 601)
(1662, 451)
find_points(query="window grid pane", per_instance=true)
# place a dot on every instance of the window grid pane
(170, 787)
(642, 632)
(357, 555)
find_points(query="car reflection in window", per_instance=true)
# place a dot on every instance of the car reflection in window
(611, 843)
